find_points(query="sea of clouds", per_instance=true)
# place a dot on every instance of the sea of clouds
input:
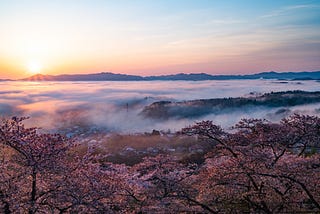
(116, 106)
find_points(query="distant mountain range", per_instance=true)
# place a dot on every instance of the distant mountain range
(107, 76)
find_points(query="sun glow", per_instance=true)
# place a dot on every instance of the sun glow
(34, 67)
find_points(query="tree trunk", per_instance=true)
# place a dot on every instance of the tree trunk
(32, 208)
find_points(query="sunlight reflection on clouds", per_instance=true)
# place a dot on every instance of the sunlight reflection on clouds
(115, 106)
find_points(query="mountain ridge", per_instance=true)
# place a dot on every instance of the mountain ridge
(165, 110)
(108, 76)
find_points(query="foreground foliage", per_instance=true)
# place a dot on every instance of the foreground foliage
(257, 167)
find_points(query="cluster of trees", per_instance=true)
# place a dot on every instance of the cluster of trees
(198, 108)
(257, 167)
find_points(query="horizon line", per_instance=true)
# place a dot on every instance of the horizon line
(145, 76)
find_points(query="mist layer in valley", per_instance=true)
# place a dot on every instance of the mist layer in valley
(81, 107)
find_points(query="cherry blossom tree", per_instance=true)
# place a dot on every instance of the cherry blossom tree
(259, 167)
(40, 174)
(262, 166)
(30, 160)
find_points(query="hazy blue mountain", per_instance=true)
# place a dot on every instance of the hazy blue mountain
(107, 76)
(85, 77)
(181, 76)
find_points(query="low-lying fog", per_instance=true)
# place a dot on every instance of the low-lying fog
(115, 106)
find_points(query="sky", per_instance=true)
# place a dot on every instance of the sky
(152, 37)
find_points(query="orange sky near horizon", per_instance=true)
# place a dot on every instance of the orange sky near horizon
(157, 37)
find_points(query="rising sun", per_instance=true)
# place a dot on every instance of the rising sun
(34, 67)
